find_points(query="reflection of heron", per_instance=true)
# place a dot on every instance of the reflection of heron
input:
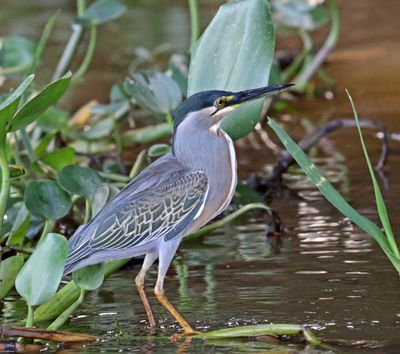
(174, 196)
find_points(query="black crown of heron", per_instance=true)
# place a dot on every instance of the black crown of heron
(173, 197)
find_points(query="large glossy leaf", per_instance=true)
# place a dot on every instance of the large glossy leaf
(102, 11)
(46, 200)
(9, 269)
(90, 277)
(40, 103)
(155, 92)
(79, 180)
(235, 53)
(38, 280)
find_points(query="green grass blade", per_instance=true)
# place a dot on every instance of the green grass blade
(332, 195)
(380, 203)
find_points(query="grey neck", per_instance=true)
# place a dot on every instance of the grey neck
(210, 150)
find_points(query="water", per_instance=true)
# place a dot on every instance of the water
(325, 273)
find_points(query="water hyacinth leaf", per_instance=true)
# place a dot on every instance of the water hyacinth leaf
(90, 277)
(243, 61)
(299, 14)
(79, 180)
(9, 269)
(59, 158)
(103, 11)
(40, 103)
(158, 150)
(153, 91)
(39, 278)
(20, 227)
(16, 54)
(46, 200)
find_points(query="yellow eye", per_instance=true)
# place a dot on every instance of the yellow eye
(220, 102)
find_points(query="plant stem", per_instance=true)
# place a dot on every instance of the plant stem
(88, 211)
(194, 22)
(329, 44)
(5, 181)
(42, 42)
(211, 227)
(60, 320)
(27, 144)
(80, 6)
(29, 319)
(48, 227)
(88, 57)
(138, 164)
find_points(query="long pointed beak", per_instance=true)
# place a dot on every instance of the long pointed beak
(248, 95)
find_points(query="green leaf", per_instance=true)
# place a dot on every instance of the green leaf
(9, 269)
(90, 277)
(16, 54)
(36, 106)
(59, 158)
(103, 11)
(104, 193)
(244, 194)
(38, 280)
(20, 227)
(46, 200)
(79, 180)
(380, 203)
(16, 94)
(155, 92)
(299, 14)
(53, 119)
(99, 130)
(332, 195)
(235, 53)
(158, 150)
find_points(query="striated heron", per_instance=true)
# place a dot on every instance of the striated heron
(173, 197)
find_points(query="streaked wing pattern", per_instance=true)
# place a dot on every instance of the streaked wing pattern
(164, 211)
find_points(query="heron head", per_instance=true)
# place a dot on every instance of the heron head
(206, 109)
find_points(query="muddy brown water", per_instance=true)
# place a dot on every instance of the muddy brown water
(326, 274)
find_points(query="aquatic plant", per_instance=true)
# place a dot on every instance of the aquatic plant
(41, 144)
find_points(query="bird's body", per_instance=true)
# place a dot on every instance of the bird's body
(95, 242)
(176, 195)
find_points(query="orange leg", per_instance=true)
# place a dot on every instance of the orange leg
(159, 292)
(139, 280)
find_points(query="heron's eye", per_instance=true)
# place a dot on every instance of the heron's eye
(220, 102)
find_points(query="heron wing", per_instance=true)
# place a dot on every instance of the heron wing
(163, 211)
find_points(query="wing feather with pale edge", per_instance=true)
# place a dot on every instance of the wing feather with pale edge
(164, 211)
